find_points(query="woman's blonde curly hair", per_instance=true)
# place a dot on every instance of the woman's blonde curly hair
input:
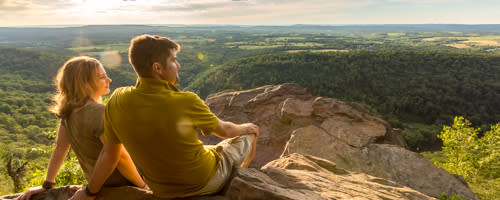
(76, 82)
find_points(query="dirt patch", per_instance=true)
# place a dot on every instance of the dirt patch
(431, 39)
(458, 46)
(486, 43)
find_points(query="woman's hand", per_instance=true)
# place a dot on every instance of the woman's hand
(30, 192)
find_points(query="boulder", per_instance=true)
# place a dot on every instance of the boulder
(291, 121)
(306, 177)
(386, 161)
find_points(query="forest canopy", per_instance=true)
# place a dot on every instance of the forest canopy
(426, 87)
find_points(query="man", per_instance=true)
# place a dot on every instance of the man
(156, 123)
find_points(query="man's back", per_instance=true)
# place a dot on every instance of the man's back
(156, 124)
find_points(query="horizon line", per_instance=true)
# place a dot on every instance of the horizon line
(244, 25)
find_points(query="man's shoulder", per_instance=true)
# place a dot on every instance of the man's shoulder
(188, 96)
(121, 90)
(118, 94)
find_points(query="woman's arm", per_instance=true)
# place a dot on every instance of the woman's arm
(127, 168)
(59, 154)
(56, 160)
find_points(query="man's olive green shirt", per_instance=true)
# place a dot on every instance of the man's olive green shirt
(156, 122)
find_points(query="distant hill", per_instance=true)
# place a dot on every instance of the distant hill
(408, 86)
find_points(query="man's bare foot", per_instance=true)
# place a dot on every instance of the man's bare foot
(247, 162)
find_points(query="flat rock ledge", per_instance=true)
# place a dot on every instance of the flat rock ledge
(292, 177)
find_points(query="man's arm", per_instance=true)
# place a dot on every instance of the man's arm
(106, 163)
(127, 168)
(228, 129)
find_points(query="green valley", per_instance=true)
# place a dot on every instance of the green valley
(417, 77)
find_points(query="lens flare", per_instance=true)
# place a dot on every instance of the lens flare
(80, 45)
(184, 126)
(201, 56)
(111, 59)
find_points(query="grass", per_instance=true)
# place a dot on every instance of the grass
(467, 41)
(396, 34)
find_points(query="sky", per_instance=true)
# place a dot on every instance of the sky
(247, 12)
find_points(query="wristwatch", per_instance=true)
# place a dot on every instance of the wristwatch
(88, 193)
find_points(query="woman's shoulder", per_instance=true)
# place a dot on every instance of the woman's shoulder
(94, 106)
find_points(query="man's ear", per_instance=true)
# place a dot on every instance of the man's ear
(156, 67)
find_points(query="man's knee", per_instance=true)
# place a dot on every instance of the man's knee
(249, 137)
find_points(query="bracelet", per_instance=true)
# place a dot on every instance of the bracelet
(88, 193)
(48, 185)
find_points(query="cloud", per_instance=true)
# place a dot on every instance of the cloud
(27, 6)
(176, 11)
(293, 12)
(424, 2)
(12, 6)
(256, 11)
(26, 12)
(190, 7)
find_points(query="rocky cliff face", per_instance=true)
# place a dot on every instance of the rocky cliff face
(291, 121)
(315, 148)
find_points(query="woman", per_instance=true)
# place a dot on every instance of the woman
(81, 82)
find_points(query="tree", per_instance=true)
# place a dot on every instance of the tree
(460, 146)
(16, 170)
(475, 158)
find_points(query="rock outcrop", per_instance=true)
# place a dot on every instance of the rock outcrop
(298, 177)
(305, 177)
(291, 121)
(314, 148)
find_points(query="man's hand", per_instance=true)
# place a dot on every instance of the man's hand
(250, 128)
(80, 195)
(229, 129)
(30, 192)
(75, 187)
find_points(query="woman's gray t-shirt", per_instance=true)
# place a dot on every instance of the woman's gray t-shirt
(83, 128)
